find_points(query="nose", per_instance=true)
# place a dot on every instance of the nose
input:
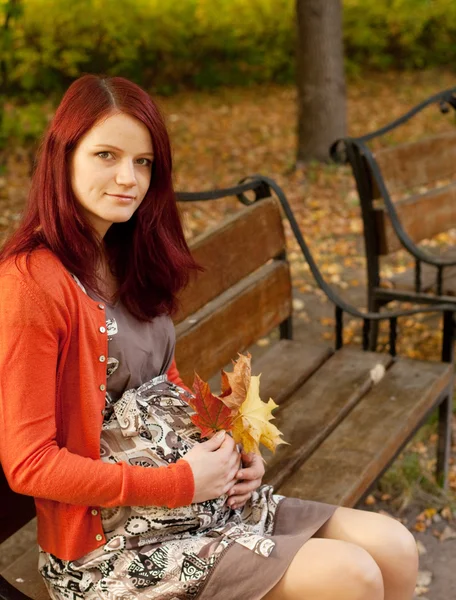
(125, 174)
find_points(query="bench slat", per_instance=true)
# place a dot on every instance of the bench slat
(350, 459)
(25, 569)
(406, 280)
(231, 251)
(316, 408)
(421, 216)
(211, 337)
(280, 373)
(417, 163)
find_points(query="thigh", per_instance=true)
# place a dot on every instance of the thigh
(326, 569)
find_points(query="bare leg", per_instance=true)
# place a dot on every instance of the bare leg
(328, 569)
(389, 543)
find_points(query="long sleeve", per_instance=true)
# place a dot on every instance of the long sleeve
(174, 377)
(35, 462)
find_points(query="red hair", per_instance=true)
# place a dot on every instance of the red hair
(148, 254)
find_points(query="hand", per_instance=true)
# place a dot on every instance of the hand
(214, 465)
(249, 479)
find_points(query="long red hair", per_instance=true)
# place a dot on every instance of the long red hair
(148, 254)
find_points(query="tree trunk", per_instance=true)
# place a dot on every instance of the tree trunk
(320, 78)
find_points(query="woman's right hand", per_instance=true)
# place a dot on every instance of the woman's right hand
(214, 464)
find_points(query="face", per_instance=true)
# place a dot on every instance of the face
(111, 170)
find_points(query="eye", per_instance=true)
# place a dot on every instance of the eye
(144, 162)
(104, 155)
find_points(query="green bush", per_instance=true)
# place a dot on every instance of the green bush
(160, 44)
(166, 45)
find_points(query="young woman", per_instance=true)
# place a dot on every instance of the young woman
(93, 419)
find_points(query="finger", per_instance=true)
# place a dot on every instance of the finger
(238, 501)
(215, 442)
(247, 474)
(229, 485)
(254, 472)
(228, 444)
(248, 458)
(245, 487)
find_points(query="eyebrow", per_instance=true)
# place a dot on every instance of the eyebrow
(120, 149)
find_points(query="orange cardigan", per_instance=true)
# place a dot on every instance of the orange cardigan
(53, 349)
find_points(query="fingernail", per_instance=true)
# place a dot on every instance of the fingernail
(220, 434)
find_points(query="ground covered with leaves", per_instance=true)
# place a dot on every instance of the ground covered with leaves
(221, 137)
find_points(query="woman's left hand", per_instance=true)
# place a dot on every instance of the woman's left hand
(249, 479)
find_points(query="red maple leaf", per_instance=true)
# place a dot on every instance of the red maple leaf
(211, 414)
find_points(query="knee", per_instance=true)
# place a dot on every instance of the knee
(362, 577)
(402, 551)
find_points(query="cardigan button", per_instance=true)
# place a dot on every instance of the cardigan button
(98, 537)
(102, 358)
(102, 387)
(101, 306)
(94, 512)
(102, 329)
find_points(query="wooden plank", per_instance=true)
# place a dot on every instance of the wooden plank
(350, 459)
(406, 280)
(25, 569)
(418, 163)
(287, 365)
(318, 406)
(231, 251)
(15, 509)
(211, 337)
(421, 216)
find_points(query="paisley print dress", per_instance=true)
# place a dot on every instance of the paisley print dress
(156, 553)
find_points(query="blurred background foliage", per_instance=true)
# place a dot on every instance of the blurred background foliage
(198, 44)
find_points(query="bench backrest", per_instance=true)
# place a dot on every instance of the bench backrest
(244, 292)
(429, 164)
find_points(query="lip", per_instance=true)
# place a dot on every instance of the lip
(122, 196)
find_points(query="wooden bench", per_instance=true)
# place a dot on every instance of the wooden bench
(407, 194)
(343, 429)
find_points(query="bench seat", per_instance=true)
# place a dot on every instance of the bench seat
(328, 403)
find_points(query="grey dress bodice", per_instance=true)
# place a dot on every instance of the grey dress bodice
(137, 350)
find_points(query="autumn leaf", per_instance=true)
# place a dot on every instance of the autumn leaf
(252, 426)
(211, 414)
(236, 384)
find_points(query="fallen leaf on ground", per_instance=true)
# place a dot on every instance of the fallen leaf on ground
(447, 534)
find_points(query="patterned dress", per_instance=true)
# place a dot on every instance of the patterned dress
(183, 553)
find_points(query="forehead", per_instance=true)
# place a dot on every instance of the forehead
(120, 130)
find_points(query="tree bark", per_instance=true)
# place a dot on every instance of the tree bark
(320, 78)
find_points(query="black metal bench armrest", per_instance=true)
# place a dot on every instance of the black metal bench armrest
(262, 187)
(350, 150)
(351, 147)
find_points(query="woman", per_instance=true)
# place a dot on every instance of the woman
(91, 399)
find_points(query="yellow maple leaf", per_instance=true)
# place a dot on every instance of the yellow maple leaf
(252, 426)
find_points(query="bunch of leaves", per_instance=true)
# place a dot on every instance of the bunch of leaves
(238, 409)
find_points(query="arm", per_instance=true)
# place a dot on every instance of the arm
(33, 461)
(174, 377)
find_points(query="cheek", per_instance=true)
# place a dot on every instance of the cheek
(143, 180)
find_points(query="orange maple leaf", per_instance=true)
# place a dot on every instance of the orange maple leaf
(235, 385)
(211, 413)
